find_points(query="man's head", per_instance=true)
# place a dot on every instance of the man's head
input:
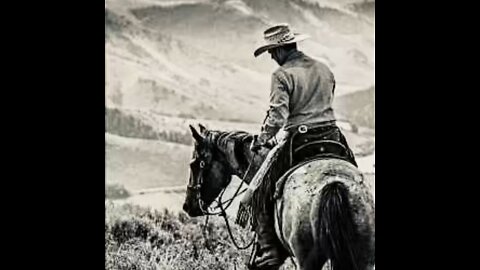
(279, 41)
(280, 54)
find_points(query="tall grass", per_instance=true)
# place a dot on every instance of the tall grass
(139, 238)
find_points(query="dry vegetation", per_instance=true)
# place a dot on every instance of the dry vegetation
(140, 238)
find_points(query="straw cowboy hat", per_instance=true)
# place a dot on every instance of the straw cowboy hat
(277, 36)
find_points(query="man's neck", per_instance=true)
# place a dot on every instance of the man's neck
(289, 56)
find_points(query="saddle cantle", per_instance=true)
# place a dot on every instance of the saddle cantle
(320, 148)
(324, 141)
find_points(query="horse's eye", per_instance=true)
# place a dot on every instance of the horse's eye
(202, 164)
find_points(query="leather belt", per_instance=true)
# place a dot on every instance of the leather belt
(305, 128)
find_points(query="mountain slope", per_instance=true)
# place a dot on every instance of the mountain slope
(358, 107)
(194, 58)
(139, 164)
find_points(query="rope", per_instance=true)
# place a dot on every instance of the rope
(224, 215)
(204, 231)
(223, 212)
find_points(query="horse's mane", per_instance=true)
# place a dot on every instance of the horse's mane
(236, 136)
(232, 143)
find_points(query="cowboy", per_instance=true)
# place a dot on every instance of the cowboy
(301, 98)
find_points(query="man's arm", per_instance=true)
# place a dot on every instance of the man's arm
(279, 107)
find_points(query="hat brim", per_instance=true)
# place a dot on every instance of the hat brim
(264, 48)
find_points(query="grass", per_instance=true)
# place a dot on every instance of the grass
(140, 238)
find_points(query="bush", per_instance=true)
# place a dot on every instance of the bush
(116, 191)
(139, 238)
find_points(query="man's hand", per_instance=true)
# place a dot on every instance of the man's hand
(257, 143)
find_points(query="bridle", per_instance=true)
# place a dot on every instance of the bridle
(196, 187)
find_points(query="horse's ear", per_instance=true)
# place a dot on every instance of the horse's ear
(195, 134)
(202, 128)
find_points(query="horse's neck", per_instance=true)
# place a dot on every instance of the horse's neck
(242, 160)
(239, 159)
(249, 155)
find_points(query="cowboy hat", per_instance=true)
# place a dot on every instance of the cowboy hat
(277, 36)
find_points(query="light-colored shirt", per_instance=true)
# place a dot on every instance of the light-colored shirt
(301, 93)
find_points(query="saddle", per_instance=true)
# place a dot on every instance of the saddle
(326, 141)
(315, 146)
(300, 146)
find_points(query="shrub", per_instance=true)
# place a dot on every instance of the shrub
(116, 191)
(139, 238)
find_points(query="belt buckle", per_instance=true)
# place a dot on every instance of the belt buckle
(302, 129)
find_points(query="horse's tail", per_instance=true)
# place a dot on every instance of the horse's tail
(336, 227)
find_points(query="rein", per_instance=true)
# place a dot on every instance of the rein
(223, 212)
(220, 203)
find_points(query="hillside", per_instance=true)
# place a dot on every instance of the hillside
(194, 59)
(138, 164)
(366, 8)
(171, 63)
(145, 163)
(358, 107)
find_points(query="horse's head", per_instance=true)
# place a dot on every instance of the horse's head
(209, 173)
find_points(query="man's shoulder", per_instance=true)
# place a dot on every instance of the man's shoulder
(280, 73)
(319, 62)
(303, 60)
(299, 64)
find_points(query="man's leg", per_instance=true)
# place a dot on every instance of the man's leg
(269, 254)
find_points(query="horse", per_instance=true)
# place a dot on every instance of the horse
(326, 211)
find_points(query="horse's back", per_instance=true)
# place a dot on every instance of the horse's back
(299, 204)
(308, 179)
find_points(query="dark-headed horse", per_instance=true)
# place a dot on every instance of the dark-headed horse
(326, 211)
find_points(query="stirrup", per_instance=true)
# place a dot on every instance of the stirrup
(252, 265)
(267, 262)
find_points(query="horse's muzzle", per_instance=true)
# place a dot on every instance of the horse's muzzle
(192, 212)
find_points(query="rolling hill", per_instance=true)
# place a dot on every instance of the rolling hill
(358, 107)
(174, 63)
(194, 59)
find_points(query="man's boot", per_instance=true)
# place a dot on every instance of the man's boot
(269, 255)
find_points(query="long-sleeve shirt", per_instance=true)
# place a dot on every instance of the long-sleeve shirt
(301, 93)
